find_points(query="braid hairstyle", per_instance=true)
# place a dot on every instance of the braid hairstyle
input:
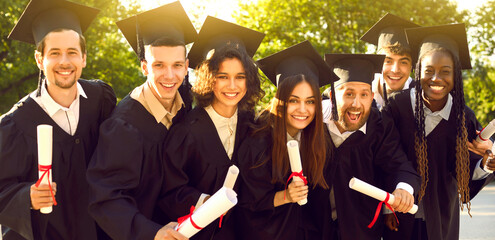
(462, 154)
(420, 147)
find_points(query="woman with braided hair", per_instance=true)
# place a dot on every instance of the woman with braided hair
(435, 127)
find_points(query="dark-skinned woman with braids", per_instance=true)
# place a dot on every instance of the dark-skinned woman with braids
(436, 127)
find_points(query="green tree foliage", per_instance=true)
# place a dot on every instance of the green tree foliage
(333, 26)
(109, 56)
(479, 91)
(480, 84)
(17, 66)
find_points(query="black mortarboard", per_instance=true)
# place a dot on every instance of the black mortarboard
(355, 67)
(301, 58)
(215, 33)
(452, 37)
(43, 16)
(169, 20)
(388, 31)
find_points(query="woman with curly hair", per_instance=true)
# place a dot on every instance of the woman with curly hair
(200, 150)
(436, 127)
(269, 208)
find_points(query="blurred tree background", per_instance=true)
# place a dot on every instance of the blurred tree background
(332, 26)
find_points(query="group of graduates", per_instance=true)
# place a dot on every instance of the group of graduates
(130, 171)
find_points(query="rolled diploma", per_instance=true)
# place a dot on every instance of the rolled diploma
(45, 146)
(487, 132)
(222, 201)
(295, 163)
(231, 177)
(374, 192)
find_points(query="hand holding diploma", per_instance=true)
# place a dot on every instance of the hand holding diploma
(41, 196)
(38, 192)
(219, 203)
(488, 162)
(297, 191)
(375, 193)
(167, 232)
(296, 166)
(403, 202)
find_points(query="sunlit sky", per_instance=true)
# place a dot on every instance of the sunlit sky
(225, 8)
(222, 9)
(469, 4)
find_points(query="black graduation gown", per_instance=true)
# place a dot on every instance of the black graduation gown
(376, 158)
(71, 155)
(441, 201)
(196, 163)
(126, 172)
(258, 218)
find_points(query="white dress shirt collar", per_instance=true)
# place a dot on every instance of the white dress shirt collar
(65, 118)
(337, 137)
(432, 119)
(375, 88)
(226, 128)
(51, 106)
(297, 137)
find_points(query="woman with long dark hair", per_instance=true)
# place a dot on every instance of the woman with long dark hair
(269, 208)
(435, 127)
(200, 150)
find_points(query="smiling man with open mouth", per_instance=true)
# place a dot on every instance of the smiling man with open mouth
(363, 146)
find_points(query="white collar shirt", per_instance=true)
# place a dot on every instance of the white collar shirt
(226, 129)
(65, 118)
(432, 119)
(380, 102)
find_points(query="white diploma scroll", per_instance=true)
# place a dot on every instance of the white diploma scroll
(295, 163)
(45, 147)
(374, 192)
(222, 201)
(231, 177)
(487, 132)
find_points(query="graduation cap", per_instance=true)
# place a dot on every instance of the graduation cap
(452, 37)
(355, 67)
(216, 33)
(43, 16)
(301, 58)
(388, 31)
(169, 20)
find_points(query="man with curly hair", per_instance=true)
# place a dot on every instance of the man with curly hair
(390, 39)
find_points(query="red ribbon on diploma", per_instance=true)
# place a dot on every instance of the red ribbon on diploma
(379, 208)
(479, 135)
(184, 218)
(46, 170)
(220, 223)
(295, 174)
